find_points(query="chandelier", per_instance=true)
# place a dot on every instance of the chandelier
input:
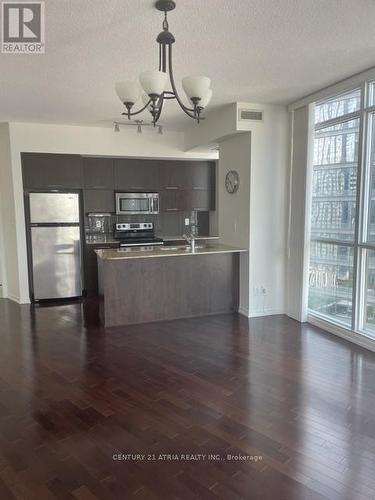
(154, 83)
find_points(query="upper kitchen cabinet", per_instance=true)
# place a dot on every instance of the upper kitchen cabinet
(99, 200)
(202, 186)
(173, 174)
(201, 175)
(98, 173)
(52, 171)
(136, 175)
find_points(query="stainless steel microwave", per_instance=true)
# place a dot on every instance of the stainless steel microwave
(137, 203)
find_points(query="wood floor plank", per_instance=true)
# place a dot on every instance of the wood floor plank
(284, 411)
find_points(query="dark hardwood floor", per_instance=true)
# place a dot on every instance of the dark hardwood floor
(298, 404)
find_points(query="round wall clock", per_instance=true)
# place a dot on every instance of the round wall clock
(232, 181)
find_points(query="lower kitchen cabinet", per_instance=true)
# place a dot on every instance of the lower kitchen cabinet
(99, 200)
(91, 267)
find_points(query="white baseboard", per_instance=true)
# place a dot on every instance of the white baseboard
(244, 311)
(259, 314)
(355, 338)
(266, 312)
(19, 300)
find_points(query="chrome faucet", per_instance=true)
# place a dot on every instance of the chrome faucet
(190, 238)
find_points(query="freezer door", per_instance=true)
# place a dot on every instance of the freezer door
(56, 256)
(54, 207)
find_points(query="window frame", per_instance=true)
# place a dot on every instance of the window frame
(360, 244)
(357, 302)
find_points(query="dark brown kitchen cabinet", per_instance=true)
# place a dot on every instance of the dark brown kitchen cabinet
(172, 200)
(52, 171)
(136, 175)
(199, 200)
(98, 173)
(99, 200)
(91, 266)
(200, 175)
(173, 174)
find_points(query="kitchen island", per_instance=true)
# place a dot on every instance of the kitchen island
(140, 285)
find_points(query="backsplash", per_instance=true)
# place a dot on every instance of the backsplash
(166, 224)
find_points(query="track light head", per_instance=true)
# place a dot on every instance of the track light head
(139, 126)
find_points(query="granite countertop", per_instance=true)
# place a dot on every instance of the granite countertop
(108, 238)
(177, 251)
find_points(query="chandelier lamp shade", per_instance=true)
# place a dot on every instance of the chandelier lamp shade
(153, 87)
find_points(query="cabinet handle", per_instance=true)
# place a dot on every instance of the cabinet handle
(171, 187)
(172, 209)
(198, 188)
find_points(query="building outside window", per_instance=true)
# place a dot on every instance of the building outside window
(342, 248)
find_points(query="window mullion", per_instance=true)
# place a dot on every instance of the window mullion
(357, 316)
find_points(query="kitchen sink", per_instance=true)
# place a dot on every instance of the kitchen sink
(169, 249)
(187, 248)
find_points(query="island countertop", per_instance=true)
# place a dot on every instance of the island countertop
(164, 251)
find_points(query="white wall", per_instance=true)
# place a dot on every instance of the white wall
(269, 212)
(3, 283)
(2, 250)
(219, 124)
(234, 209)
(2, 271)
(260, 152)
(8, 241)
(76, 140)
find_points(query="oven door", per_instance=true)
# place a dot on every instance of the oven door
(133, 203)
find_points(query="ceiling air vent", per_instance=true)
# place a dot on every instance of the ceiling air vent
(250, 115)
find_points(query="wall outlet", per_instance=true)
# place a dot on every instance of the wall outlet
(187, 221)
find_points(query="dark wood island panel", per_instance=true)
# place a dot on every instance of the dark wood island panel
(155, 289)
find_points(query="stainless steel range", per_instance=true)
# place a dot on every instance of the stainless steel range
(136, 234)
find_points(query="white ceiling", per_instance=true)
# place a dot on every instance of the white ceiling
(254, 50)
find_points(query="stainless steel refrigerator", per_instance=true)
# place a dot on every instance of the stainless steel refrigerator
(55, 245)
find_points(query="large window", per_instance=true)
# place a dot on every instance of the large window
(342, 249)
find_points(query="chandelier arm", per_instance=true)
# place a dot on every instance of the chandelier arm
(137, 112)
(186, 110)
